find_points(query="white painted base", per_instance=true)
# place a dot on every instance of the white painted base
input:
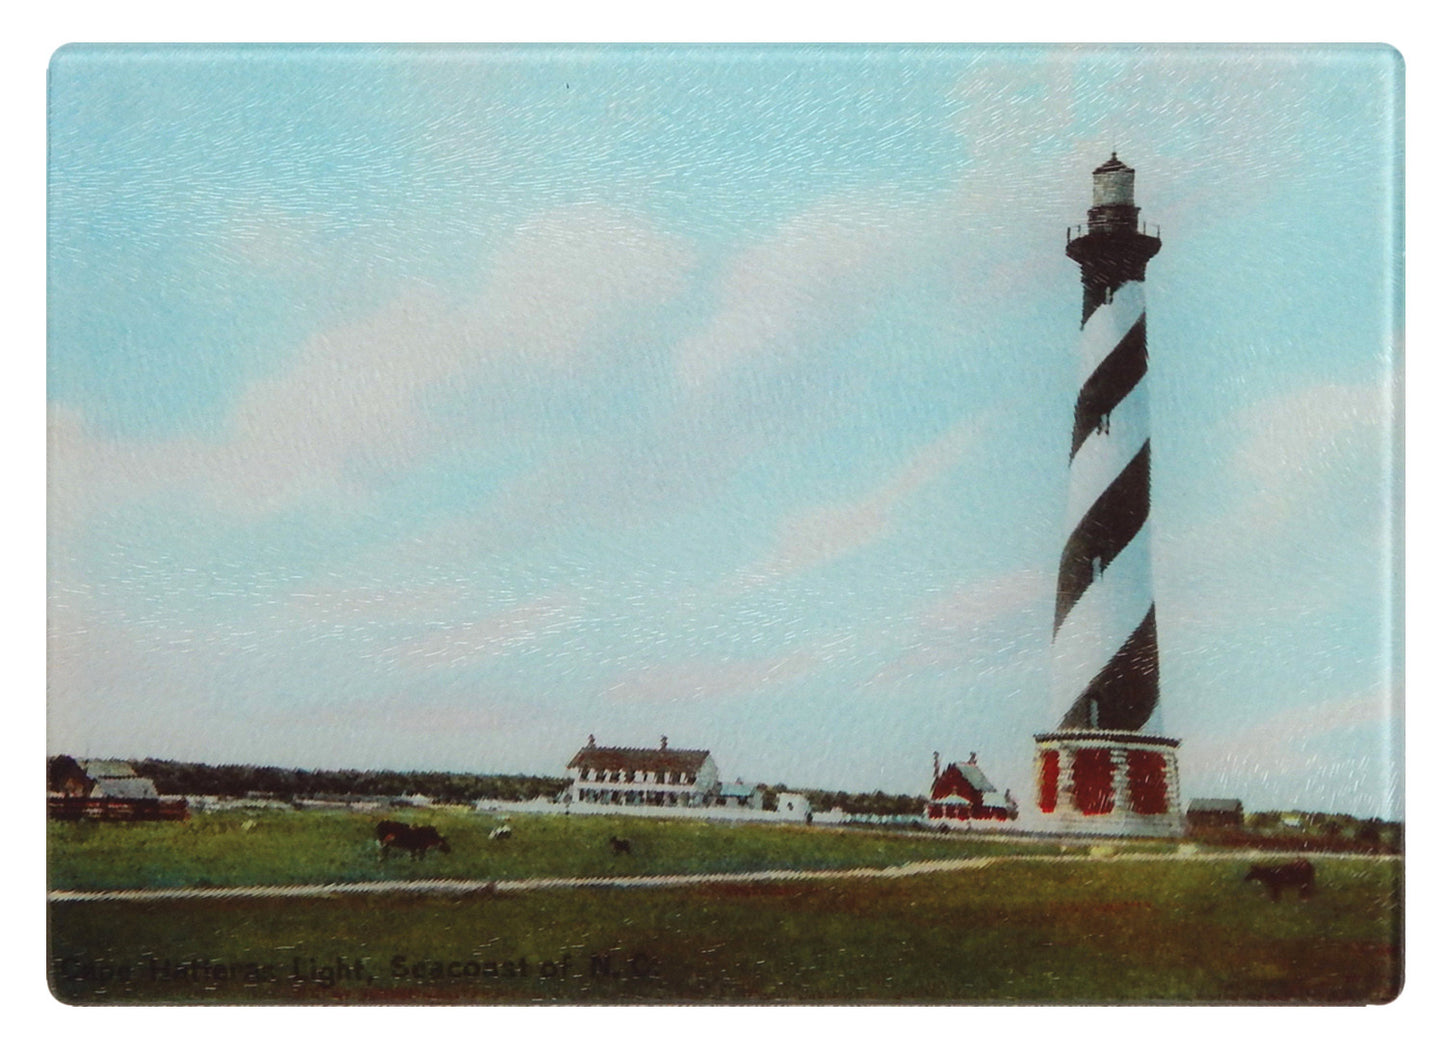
(1117, 824)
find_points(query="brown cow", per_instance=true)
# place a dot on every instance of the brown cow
(387, 832)
(1298, 874)
(415, 840)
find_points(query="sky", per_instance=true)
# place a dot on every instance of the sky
(436, 408)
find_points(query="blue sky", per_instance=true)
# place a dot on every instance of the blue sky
(437, 408)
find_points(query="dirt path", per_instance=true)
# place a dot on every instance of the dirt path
(463, 887)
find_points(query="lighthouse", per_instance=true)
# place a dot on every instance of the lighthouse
(1108, 768)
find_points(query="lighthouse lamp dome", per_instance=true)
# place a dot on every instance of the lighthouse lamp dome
(1113, 183)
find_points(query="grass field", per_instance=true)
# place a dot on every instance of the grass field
(1051, 929)
(218, 849)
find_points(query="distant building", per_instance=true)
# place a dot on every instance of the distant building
(66, 778)
(641, 776)
(795, 805)
(136, 788)
(106, 790)
(962, 795)
(741, 795)
(118, 779)
(1215, 812)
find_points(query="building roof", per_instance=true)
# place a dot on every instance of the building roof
(952, 799)
(995, 800)
(123, 787)
(737, 789)
(990, 800)
(975, 776)
(947, 782)
(1113, 165)
(1216, 805)
(96, 769)
(640, 759)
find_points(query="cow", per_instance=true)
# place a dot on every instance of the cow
(387, 832)
(1298, 874)
(415, 840)
(620, 846)
(500, 834)
(424, 838)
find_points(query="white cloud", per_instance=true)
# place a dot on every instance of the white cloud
(1298, 451)
(1284, 758)
(568, 276)
(352, 405)
(816, 274)
(991, 624)
(467, 642)
(822, 533)
(1300, 523)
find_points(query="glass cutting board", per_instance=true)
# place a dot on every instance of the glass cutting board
(712, 525)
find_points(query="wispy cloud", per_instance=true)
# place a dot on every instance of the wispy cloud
(815, 275)
(353, 406)
(823, 533)
(1297, 448)
(1300, 524)
(1287, 756)
(993, 623)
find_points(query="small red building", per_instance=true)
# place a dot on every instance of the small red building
(962, 795)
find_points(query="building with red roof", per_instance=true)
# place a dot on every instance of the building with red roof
(962, 796)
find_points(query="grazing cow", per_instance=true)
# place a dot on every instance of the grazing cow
(1298, 874)
(387, 832)
(500, 834)
(620, 846)
(415, 840)
(424, 838)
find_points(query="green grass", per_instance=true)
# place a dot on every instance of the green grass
(219, 849)
(1046, 931)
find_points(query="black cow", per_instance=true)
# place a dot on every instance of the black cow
(1297, 874)
(415, 840)
(620, 845)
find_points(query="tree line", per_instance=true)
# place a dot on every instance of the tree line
(873, 803)
(236, 781)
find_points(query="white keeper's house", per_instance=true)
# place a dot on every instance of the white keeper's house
(642, 776)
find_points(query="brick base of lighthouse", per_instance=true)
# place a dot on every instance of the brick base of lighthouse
(1108, 783)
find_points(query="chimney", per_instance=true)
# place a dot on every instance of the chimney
(664, 742)
(591, 741)
(972, 758)
(935, 764)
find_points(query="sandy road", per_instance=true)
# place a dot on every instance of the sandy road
(446, 887)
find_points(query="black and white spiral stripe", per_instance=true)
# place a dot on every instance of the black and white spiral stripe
(1106, 653)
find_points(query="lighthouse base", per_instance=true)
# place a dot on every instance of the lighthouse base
(1101, 782)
